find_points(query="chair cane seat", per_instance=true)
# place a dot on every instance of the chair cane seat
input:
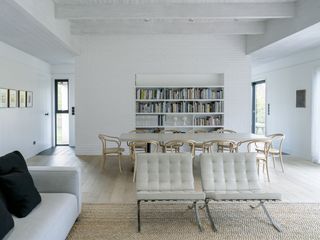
(113, 150)
(274, 151)
(261, 156)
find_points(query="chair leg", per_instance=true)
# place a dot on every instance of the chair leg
(134, 171)
(274, 164)
(281, 161)
(274, 224)
(267, 168)
(103, 161)
(210, 217)
(196, 212)
(119, 159)
(138, 215)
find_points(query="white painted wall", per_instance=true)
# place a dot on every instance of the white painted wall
(65, 71)
(106, 68)
(283, 77)
(20, 127)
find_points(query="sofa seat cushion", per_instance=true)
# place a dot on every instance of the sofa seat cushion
(167, 195)
(6, 221)
(51, 219)
(242, 195)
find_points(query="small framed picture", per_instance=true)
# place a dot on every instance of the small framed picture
(29, 99)
(22, 99)
(13, 98)
(301, 98)
(3, 98)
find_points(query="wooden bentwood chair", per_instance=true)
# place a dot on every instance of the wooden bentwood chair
(169, 131)
(198, 146)
(139, 147)
(211, 146)
(135, 145)
(111, 146)
(175, 146)
(262, 155)
(275, 148)
(221, 146)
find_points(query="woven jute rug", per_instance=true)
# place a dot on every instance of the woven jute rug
(176, 221)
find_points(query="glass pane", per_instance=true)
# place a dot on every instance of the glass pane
(260, 108)
(62, 92)
(62, 128)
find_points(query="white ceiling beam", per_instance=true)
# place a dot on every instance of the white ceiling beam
(102, 27)
(23, 31)
(177, 10)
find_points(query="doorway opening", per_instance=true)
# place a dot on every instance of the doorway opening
(62, 112)
(259, 107)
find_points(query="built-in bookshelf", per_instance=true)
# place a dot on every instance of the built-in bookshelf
(180, 106)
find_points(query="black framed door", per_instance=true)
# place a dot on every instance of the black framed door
(61, 112)
(259, 107)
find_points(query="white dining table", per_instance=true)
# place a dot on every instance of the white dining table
(198, 137)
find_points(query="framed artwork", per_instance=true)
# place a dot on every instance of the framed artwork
(13, 98)
(22, 99)
(301, 98)
(29, 99)
(3, 98)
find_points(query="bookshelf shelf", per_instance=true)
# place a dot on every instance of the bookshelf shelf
(193, 126)
(180, 106)
(180, 113)
(180, 100)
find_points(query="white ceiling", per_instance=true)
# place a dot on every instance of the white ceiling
(20, 29)
(245, 17)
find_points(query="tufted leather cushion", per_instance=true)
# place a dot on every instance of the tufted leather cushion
(232, 176)
(166, 176)
(164, 172)
(229, 172)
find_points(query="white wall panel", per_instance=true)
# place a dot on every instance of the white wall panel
(105, 78)
(19, 127)
(283, 77)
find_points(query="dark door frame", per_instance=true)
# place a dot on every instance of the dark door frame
(253, 110)
(57, 111)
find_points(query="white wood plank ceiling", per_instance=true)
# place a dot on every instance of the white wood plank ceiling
(245, 17)
(21, 30)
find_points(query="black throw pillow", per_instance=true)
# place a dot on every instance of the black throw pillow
(6, 221)
(17, 185)
(12, 162)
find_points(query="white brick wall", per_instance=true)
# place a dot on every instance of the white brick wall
(106, 68)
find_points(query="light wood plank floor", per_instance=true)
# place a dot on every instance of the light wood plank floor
(299, 183)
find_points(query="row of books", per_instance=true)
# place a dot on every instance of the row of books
(150, 93)
(149, 107)
(184, 93)
(208, 121)
(180, 107)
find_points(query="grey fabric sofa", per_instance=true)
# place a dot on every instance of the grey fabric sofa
(53, 218)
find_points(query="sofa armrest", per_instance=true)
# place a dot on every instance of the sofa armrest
(57, 180)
